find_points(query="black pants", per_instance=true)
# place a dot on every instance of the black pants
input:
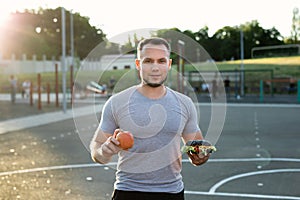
(134, 195)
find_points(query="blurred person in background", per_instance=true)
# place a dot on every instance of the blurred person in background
(13, 88)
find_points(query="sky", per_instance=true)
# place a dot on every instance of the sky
(116, 17)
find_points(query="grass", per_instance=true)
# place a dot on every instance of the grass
(256, 70)
(292, 61)
(281, 66)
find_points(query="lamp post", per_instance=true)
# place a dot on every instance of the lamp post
(180, 66)
(242, 61)
(63, 58)
(72, 54)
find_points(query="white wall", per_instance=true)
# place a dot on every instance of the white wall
(107, 62)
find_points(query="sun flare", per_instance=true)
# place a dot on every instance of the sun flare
(3, 18)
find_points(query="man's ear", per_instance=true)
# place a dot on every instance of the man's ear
(137, 64)
(170, 64)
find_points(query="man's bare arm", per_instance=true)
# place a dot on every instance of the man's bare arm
(103, 146)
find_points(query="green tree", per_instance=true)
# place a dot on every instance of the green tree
(295, 26)
(128, 46)
(226, 43)
(39, 32)
(171, 36)
(256, 36)
(203, 38)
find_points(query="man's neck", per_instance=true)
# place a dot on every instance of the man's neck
(152, 92)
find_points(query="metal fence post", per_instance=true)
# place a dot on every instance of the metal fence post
(261, 91)
(298, 91)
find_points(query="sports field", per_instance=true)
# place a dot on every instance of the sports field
(257, 158)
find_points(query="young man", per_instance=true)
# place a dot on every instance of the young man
(159, 118)
(13, 88)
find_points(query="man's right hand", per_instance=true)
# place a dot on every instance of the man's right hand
(110, 147)
(103, 146)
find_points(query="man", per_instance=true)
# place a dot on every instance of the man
(227, 86)
(26, 89)
(159, 118)
(13, 88)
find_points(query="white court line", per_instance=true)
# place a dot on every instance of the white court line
(22, 171)
(213, 189)
(256, 196)
(210, 192)
(269, 105)
(224, 181)
(114, 163)
(254, 159)
(43, 119)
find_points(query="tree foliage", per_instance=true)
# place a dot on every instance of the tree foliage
(39, 33)
(225, 43)
(295, 33)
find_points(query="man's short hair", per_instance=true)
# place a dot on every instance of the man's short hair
(153, 40)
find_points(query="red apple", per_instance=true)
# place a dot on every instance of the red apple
(125, 138)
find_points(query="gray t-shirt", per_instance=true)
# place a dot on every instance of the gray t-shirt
(154, 162)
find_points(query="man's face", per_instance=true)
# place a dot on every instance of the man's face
(154, 64)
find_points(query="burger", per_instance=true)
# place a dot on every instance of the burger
(198, 146)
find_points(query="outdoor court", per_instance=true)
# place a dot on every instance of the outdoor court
(257, 158)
